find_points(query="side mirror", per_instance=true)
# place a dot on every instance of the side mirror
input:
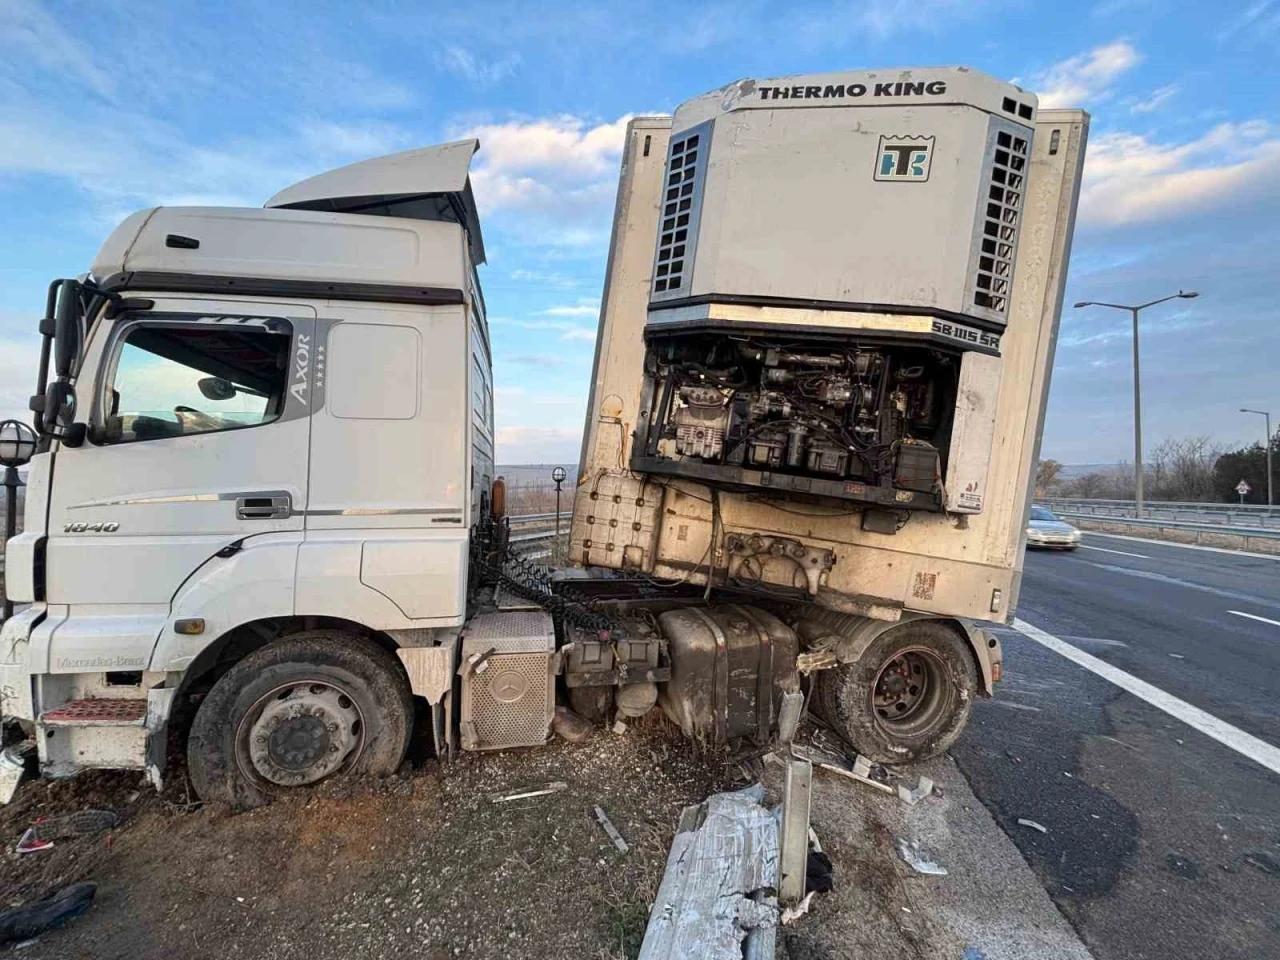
(216, 388)
(66, 340)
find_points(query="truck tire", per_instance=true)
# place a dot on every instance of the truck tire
(906, 698)
(295, 712)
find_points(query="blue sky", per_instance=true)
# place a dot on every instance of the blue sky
(106, 107)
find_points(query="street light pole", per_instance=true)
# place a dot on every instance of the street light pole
(1266, 443)
(17, 445)
(1137, 384)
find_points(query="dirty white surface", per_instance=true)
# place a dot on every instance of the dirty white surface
(724, 856)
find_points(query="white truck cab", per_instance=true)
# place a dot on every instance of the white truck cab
(281, 419)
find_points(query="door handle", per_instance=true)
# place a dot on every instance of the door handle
(263, 508)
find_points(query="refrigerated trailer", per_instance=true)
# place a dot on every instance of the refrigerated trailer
(265, 512)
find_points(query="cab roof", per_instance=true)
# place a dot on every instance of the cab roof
(429, 183)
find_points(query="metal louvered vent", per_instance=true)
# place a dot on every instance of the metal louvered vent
(1001, 213)
(681, 204)
(511, 704)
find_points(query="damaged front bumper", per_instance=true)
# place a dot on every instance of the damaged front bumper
(15, 676)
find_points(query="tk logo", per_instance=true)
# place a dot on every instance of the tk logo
(904, 158)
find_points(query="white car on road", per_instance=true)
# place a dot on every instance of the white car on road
(1045, 529)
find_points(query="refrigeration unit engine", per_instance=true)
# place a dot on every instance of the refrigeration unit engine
(832, 277)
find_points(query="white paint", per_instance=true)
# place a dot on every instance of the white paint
(1243, 743)
(1254, 616)
(1184, 546)
(1121, 553)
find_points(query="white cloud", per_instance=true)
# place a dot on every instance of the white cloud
(889, 17)
(485, 73)
(1155, 100)
(523, 444)
(553, 179)
(564, 144)
(547, 279)
(1260, 19)
(1086, 77)
(583, 308)
(27, 31)
(1130, 179)
(571, 332)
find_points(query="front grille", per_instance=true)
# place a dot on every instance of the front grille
(1001, 212)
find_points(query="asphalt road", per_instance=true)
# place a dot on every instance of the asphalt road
(1161, 841)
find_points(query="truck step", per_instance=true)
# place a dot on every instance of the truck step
(97, 712)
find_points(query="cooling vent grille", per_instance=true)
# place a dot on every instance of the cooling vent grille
(681, 202)
(993, 278)
(511, 702)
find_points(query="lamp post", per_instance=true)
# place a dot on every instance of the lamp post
(558, 475)
(1137, 384)
(17, 444)
(1266, 443)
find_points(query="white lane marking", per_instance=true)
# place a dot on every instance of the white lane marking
(1254, 616)
(1140, 556)
(1184, 546)
(1245, 744)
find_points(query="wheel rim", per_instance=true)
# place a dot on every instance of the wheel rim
(910, 692)
(298, 734)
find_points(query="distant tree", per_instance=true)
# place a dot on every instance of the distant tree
(1047, 476)
(1250, 465)
(1182, 469)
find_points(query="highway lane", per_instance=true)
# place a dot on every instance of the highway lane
(1161, 842)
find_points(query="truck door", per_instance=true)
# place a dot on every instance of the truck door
(198, 437)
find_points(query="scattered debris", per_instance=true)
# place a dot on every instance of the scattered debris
(569, 726)
(793, 843)
(912, 797)
(912, 857)
(23, 923)
(713, 902)
(863, 770)
(611, 830)
(554, 787)
(30, 843)
(13, 767)
(816, 660)
(1177, 656)
(1033, 825)
(619, 727)
(791, 914)
(1067, 774)
(82, 823)
(1012, 756)
(819, 873)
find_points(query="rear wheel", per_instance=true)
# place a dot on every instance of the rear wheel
(296, 712)
(907, 697)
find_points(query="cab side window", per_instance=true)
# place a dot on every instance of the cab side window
(181, 379)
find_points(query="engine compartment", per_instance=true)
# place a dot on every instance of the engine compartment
(839, 417)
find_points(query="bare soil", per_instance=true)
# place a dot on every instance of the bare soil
(424, 864)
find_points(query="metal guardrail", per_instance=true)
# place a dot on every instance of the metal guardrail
(1254, 516)
(1176, 525)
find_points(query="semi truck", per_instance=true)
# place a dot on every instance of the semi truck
(265, 518)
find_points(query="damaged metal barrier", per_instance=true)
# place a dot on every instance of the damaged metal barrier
(716, 900)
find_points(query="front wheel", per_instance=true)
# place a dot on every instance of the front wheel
(907, 697)
(296, 712)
